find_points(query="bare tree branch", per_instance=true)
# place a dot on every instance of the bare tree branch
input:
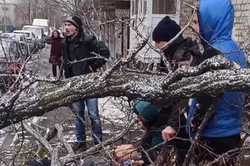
(94, 149)
(60, 137)
(41, 139)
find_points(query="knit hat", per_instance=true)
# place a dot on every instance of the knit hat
(165, 30)
(148, 111)
(75, 20)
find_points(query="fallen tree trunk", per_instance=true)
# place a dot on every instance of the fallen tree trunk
(44, 96)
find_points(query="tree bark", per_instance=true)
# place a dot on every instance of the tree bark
(44, 96)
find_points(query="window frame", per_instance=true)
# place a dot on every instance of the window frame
(166, 13)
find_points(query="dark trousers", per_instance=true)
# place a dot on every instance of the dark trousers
(218, 146)
(54, 69)
(181, 146)
(222, 145)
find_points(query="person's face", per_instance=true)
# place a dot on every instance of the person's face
(161, 45)
(55, 34)
(70, 29)
(140, 121)
(195, 24)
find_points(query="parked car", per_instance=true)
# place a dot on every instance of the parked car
(38, 32)
(29, 38)
(43, 23)
(19, 47)
(7, 35)
(9, 64)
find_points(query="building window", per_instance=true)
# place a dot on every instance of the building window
(139, 7)
(164, 6)
(134, 7)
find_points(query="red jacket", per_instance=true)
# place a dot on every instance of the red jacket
(56, 51)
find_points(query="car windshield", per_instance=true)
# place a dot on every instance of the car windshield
(23, 33)
(36, 31)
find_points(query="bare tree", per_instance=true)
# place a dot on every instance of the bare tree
(31, 95)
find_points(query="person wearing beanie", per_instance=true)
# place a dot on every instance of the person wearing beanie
(166, 30)
(182, 52)
(149, 115)
(152, 119)
(73, 26)
(78, 46)
(149, 112)
(179, 52)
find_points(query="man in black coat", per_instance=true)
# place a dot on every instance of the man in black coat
(83, 54)
(182, 52)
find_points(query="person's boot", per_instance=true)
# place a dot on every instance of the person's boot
(79, 146)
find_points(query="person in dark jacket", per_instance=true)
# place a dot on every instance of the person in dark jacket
(180, 53)
(153, 120)
(80, 57)
(149, 116)
(56, 52)
(222, 132)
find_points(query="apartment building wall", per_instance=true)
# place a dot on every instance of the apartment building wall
(242, 23)
(241, 32)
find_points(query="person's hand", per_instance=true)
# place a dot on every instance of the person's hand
(137, 162)
(168, 133)
(125, 152)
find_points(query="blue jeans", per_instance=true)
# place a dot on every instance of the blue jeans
(79, 108)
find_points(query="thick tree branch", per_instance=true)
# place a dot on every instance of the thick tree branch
(42, 97)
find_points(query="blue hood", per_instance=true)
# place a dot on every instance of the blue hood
(216, 20)
(216, 24)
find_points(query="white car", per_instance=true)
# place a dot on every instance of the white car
(28, 35)
(43, 23)
(38, 32)
(29, 38)
(6, 35)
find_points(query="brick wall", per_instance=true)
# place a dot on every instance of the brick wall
(242, 21)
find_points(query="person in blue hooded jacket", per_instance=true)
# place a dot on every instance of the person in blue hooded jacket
(222, 132)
